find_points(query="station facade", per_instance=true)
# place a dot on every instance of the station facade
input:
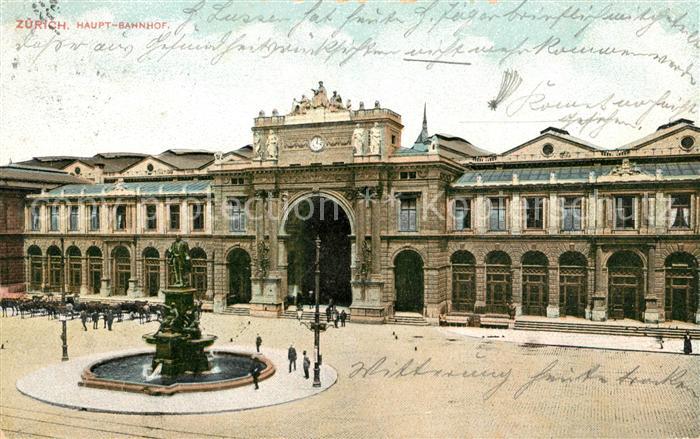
(553, 227)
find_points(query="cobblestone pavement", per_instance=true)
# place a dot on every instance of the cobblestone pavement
(426, 383)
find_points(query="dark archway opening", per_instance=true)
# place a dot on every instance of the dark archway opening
(239, 288)
(408, 277)
(463, 281)
(572, 284)
(322, 217)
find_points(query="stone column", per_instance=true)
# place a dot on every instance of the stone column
(376, 240)
(480, 285)
(84, 274)
(480, 212)
(697, 294)
(133, 289)
(553, 291)
(592, 206)
(599, 312)
(28, 273)
(44, 272)
(553, 218)
(106, 287)
(516, 278)
(209, 294)
(272, 213)
(651, 305)
(516, 218)
(163, 273)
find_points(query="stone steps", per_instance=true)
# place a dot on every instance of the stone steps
(236, 311)
(416, 320)
(307, 316)
(603, 329)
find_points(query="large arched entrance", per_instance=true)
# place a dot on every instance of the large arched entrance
(322, 217)
(535, 284)
(239, 290)
(463, 281)
(572, 284)
(499, 287)
(408, 281)
(625, 286)
(681, 287)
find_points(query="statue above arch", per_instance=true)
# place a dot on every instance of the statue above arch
(319, 99)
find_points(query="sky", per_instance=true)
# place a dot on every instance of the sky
(608, 72)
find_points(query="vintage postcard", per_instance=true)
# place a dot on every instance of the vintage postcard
(343, 218)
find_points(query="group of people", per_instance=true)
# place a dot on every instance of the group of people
(256, 368)
(94, 316)
(332, 314)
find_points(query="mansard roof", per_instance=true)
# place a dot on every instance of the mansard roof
(578, 174)
(197, 187)
(17, 175)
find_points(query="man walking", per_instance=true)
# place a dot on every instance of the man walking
(292, 357)
(258, 342)
(335, 317)
(83, 318)
(687, 343)
(343, 317)
(95, 319)
(306, 364)
(255, 373)
(109, 318)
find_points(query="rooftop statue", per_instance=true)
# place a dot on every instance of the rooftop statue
(319, 99)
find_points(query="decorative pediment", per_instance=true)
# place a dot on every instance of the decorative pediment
(553, 144)
(149, 166)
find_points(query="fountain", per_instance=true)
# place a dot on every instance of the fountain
(180, 362)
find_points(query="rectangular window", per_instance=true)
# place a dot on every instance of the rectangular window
(497, 214)
(463, 214)
(407, 175)
(94, 218)
(534, 213)
(237, 215)
(174, 216)
(625, 215)
(53, 212)
(74, 219)
(151, 217)
(238, 181)
(572, 213)
(120, 218)
(36, 218)
(680, 211)
(197, 213)
(407, 215)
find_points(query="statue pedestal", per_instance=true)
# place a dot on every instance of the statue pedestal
(266, 300)
(366, 302)
(179, 343)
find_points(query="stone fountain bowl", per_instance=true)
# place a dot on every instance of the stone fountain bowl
(131, 373)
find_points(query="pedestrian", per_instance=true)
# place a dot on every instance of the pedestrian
(109, 318)
(343, 317)
(104, 320)
(258, 342)
(95, 319)
(255, 372)
(335, 317)
(329, 310)
(306, 363)
(147, 312)
(292, 357)
(83, 318)
(687, 343)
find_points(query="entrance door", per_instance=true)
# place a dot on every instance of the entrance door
(535, 291)
(498, 289)
(152, 268)
(680, 294)
(463, 282)
(572, 291)
(75, 275)
(239, 287)
(625, 286)
(408, 277)
(122, 270)
(95, 274)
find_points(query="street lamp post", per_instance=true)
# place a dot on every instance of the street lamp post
(62, 317)
(317, 318)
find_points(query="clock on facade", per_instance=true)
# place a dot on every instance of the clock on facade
(316, 144)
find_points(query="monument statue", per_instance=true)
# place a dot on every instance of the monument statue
(257, 146)
(263, 259)
(376, 138)
(366, 263)
(179, 258)
(272, 145)
(301, 106)
(336, 102)
(358, 140)
(320, 98)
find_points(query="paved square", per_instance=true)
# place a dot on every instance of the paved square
(426, 383)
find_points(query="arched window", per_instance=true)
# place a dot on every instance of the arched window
(36, 275)
(625, 286)
(75, 269)
(408, 277)
(681, 302)
(151, 271)
(55, 274)
(94, 261)
(122, 270)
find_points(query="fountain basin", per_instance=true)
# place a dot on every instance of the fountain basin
(133, 373)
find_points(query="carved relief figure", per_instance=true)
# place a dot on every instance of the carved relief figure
(358, 140)
(272, 145)
(376, 139)
(263, 259)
